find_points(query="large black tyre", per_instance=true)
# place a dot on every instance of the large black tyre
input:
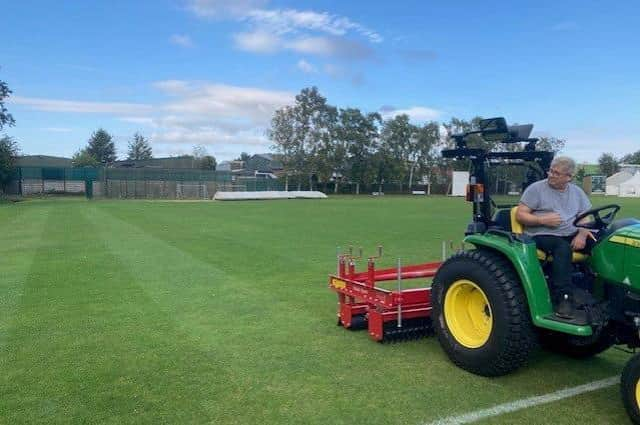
(578, 347)
(630, 388)
(498, 342)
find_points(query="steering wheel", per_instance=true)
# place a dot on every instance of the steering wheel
(599, 222)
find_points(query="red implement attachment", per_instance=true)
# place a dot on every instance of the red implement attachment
(387, 314)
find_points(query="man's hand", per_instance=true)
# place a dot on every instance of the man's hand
(579, 241)
(550, 219)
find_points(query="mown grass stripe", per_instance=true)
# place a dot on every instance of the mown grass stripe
(89, 345)
(21, 236)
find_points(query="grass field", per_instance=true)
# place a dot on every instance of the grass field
(166, 312)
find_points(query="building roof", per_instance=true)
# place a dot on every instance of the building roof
(618, 178)
(185, 161)
(42, 161)
(632, 182)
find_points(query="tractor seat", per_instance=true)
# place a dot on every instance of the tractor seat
(516, 227)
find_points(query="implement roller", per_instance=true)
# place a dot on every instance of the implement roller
(388, 315)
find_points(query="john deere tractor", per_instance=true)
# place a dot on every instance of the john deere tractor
(491, 304)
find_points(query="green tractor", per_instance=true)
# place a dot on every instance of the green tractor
(491, 304)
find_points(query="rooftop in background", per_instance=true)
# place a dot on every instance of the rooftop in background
(177, 162)
(631, 168)
(235, 165)
(42, 161)
(265, 163)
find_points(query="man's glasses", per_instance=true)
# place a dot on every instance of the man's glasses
(557, 173)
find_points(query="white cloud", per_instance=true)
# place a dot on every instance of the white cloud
(208, 136)
(56, 105)
(224, 101)
(306, 67)
(416, 113)
(284, 21)
(305, 31)
(181, 40)
(264, 42)
(216, 114)
(312, 45)
(229, 117)
(257, 42)
(330, 47)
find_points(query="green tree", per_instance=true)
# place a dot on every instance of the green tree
(423, 152)
(305, 134)
(281, 133)
(398, 141)
(357, 141)
(6, 119)
(101, 147)
(208, 162)
(82, 158)
(202, 159)
(243, 157)
(552, 144)
(632, 158)
(8, 153)
(139, 148)
(580, 174)
(608, 164)
(8, 146)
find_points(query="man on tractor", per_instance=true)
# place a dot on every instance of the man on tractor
(547, 209)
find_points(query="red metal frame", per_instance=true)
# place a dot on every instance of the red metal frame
(358, 294)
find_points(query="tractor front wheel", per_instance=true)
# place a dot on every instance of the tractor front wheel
(480, 313)
(630, 388)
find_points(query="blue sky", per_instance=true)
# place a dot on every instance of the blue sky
(210, 72)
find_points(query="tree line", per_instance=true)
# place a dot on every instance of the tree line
(610, 165)
(324, 143)
(101, 151)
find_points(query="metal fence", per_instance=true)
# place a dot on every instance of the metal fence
(150, 183)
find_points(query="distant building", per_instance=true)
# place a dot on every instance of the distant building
(264, 163)
(43, 161)
(615, 182)
(630, 168)
(230, 166)
(177, 162)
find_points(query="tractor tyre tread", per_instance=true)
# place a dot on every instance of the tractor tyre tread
(628, 381)
(501, 354)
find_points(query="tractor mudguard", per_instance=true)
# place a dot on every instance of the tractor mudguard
(524, 260)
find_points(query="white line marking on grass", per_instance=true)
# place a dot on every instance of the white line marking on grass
(501, 409)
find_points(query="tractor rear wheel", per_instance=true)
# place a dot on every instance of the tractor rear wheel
(480, 313)
(630, 388)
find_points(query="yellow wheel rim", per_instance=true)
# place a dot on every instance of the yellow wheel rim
(468, 314)
(638, 394)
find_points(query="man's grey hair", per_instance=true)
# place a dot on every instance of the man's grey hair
(565, 162)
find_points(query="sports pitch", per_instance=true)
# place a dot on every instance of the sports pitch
(212, 312)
